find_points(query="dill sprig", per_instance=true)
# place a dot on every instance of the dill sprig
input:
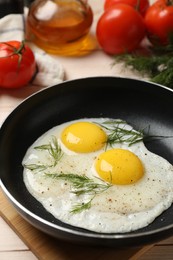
(79, 207)
(53, 148)
(157, 64)
(158, 68)
(36, 167)
(118, 133)
(81, 184)
(54, 151)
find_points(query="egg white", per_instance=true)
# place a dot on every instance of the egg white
(121, 208)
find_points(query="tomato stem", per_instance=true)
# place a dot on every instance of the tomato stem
(169, 2)
(137, 5)
(19, 51)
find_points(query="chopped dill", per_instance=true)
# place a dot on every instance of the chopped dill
(36, 167)
(119, 133)
(53, 148)
(79, 207)
(54, 151)
(81, 185)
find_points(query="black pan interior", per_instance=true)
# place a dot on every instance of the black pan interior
(142, 104)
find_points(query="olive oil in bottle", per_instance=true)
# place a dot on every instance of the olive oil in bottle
(60, 26)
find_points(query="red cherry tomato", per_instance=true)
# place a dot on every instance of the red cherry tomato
(159, 22)
(120, 29)
(17, 64)
(139, 5)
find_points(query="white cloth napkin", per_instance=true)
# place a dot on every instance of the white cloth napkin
(50, 70)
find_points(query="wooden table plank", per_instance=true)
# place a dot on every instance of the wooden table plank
(17, 255)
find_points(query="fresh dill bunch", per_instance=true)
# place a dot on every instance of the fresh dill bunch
(145, 64)
(81, 184)
(165, 77)
(158, 64)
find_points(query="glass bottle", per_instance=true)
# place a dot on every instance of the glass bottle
(60, 26)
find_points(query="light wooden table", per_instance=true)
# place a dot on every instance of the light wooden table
(11, 245)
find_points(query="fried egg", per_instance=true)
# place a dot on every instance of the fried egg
(85, 178)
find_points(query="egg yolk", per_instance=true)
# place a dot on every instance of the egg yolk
(119, 166)
(83, 137)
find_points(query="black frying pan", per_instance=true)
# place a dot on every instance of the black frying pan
(141, 104)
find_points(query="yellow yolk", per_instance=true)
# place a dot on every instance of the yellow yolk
(119, 166)
(83, 137)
